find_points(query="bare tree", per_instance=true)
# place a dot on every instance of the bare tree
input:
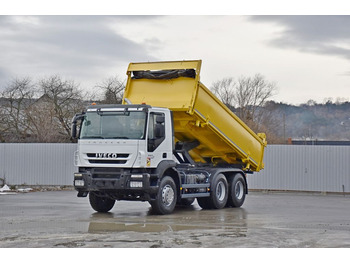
(44, 126)
(247, 98)
(251, 95)
(225, 90)
(40, 112)
(61, 99)
(16, 97)
(272, 123)
(113, 89)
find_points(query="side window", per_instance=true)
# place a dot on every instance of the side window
(156, 131)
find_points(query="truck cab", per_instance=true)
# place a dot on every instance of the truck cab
(122, 151)
(136, 136)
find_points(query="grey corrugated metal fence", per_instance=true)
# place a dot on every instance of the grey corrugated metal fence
(304, 168)
(37, 164)
(287, 167)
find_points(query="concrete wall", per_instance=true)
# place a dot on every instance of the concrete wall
(287, 167)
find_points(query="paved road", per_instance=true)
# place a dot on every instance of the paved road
(60, 219)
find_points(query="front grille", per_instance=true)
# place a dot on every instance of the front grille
(102, 170)
(107, 158)
(95, 155)
(107, 161)
(106, 175)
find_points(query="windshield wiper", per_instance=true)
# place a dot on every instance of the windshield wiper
(117, 137)
(100, 137)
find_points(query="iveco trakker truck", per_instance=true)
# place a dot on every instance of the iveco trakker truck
(171, 141)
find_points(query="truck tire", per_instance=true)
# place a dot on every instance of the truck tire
(100, 204)
(237, 192)
(219, 192)
(218, 196)
(166, 198)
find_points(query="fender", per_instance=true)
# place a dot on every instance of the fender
(168, 167)
(163, 166)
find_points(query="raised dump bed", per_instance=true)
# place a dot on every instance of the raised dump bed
(198, 114)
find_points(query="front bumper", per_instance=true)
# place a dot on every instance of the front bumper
(121, 185)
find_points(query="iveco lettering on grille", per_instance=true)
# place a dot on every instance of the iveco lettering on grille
(106, 155)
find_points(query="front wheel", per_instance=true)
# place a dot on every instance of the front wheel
(100, 203)
(166, 198)
(237, 190)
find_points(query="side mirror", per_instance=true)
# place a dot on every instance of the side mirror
(75, 119)
(160, 119)
(73, 131)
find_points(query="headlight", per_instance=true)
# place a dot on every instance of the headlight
(78, 182)
(136, 184)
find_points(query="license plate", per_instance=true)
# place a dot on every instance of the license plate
(79, 182)
(135, 183)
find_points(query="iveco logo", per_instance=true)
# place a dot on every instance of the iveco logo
(106, 155)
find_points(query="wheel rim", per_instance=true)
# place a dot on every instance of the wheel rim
(239, 190)
(220, 191)
(167, 195)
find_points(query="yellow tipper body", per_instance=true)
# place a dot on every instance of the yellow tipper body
(198, 115)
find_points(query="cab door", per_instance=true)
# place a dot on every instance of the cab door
(159, 138)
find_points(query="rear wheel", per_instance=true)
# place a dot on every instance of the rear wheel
(166, 198)
(219, 192)
(100, 203)
(218, 196)
(237, 190)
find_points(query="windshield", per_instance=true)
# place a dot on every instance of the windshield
(113, 125)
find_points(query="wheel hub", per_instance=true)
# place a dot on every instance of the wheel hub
(220, 191)
(168, 195)
(239, 190)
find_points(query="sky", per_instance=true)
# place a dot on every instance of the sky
(306, 56)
